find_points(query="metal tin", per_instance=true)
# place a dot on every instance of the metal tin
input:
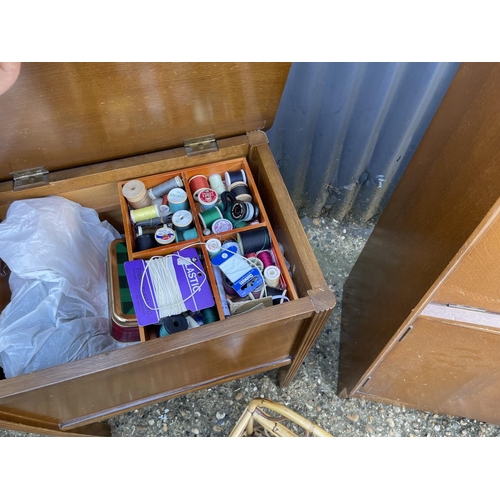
(123, 324)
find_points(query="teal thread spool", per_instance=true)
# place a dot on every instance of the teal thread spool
(183, 220)
(186, 235)
(177, 200)
(208, 217)
(210, 315)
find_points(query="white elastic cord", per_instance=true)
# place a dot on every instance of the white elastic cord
(166, 288)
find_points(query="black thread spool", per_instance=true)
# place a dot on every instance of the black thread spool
(173, 324)
(254, 241)
(244, 211)
(145, 242)
(241, 191)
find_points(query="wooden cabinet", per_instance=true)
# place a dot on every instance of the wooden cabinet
(96, 125)
(420, 320)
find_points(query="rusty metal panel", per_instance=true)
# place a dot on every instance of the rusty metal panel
(345, 132)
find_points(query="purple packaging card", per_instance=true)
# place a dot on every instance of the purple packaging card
(194, 286)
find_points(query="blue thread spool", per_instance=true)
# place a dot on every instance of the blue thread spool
(177, 200)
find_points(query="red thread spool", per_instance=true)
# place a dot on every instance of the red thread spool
(197, 184)
(266, 258)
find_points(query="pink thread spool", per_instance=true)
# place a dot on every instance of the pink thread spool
(266, 258)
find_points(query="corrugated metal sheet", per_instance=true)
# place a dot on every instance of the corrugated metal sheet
(345, 132)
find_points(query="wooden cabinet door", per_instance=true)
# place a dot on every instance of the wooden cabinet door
(444, 367)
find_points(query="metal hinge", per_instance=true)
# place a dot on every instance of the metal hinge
(24, 179)
(201, 145)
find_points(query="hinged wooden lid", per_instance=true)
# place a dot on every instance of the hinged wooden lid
(61, 115)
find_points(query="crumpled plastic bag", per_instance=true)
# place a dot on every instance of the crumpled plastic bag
(56, 251)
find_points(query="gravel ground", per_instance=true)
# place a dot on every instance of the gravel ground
(313, 393)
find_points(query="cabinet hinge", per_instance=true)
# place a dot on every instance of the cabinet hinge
(201, 145)
(32, 177)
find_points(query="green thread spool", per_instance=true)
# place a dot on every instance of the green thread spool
(208, 217)
(240, 223)
(210, 315)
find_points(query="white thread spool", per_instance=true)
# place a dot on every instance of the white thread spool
(214, 247)
(216, 183)
(254, 261)
(164, 235)
(272, 276)
(135, 193)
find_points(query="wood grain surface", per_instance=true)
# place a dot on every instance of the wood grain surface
(62, 115)
(449, 186)
(443, 367)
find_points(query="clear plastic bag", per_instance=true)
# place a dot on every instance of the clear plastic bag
(56, 251)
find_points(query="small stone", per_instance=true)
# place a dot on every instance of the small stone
(151, 422)
(370, 419)
(220, 415)
(354, 417)
(318, 408)
(463, 422)
(437, 427)
(238, 396)
(197, 414)
(369, 428)
(309, 407)
(165, 427)
(390, 421)
(316, 222)
(217, 428)
(195, 431)
(412, 435)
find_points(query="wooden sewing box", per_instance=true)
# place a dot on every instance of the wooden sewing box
(78, 130)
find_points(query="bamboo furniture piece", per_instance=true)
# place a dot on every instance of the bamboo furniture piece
(95, 125)
(420, 320)
(258, 420)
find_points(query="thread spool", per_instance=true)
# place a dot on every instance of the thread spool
(254, 241)
(272, 276)
(210, 315)
(208, 217)
(240, 223)
(244, 211)
(214, 247)
(228, 286)
(238, 176)
(266, 258)
(182, 220)
(197, 184)
(207, 198)
(163, 219)
(256, 262)
(164, 188)
(145, 213)
(177, 200)
(164, 235)
(221, 226)
(164, 208)
(135, 193)
(240, 191)
(216, 183)
(173, 324)
(145, 242)
(185, 235)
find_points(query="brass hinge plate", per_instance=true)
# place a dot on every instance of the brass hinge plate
(24, 179)
(201, 145)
